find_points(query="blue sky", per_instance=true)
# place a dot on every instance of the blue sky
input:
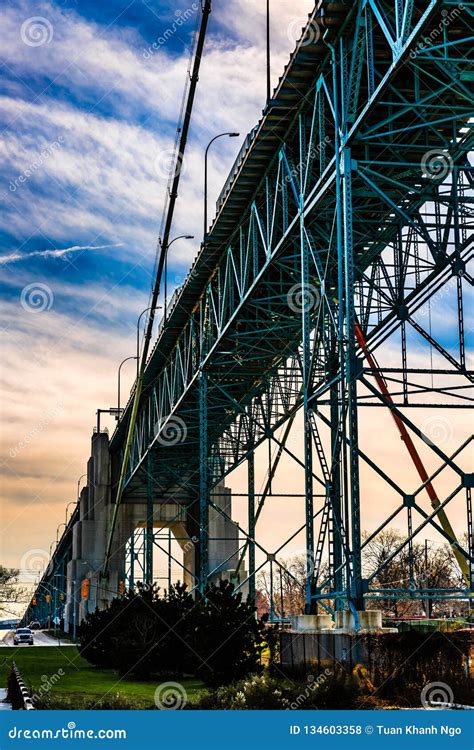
(89, 97)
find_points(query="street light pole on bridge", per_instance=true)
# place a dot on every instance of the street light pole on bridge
(221, 135)
(118, 383)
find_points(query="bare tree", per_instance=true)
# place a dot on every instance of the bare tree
(435, 569)
(286, 587)
(393, 573)
(11, 592)
(431, 568)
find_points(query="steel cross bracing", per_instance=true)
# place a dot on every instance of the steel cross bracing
(360, 216)
(137, 555)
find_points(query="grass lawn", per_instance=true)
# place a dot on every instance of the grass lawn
(81, 683)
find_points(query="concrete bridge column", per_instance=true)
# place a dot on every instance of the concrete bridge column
(90, 536)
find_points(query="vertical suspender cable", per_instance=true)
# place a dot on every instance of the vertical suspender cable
(175, 175)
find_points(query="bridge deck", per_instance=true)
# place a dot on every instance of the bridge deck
(389, 133)
(331, 194)
(263, 142)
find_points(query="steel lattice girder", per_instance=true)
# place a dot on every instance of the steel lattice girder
(373, 174)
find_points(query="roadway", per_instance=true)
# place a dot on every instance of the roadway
(40, 639)
(5, 705)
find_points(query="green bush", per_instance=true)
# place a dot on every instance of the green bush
(271, 693)
(140, 633)
(155, 630)
(440, 658)
(217, 638)
(227, 637)
(97, 630)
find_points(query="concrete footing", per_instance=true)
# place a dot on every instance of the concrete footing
(329, 644)
(311, 623)
(367, 621)
(345, 622)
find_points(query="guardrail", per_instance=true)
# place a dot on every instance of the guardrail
(17, 692)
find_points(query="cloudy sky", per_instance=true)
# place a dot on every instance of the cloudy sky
(90, 95)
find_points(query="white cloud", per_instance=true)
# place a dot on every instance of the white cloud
(66, 251)
(104, 170)
(101, 188)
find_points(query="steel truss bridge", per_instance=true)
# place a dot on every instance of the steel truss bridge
(320, 296)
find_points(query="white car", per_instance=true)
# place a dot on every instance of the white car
(23, 635)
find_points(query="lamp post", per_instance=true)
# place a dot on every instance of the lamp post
(138, 337)
(73, 502)
(429, 600)
(181, 237)
(56, 605)
(74, 611)
(221, 135)
(118, 384)
(48, 591)
(138, 334)
(79, 483)
(57, 532)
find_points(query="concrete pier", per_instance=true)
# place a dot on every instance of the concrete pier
(85, 589)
